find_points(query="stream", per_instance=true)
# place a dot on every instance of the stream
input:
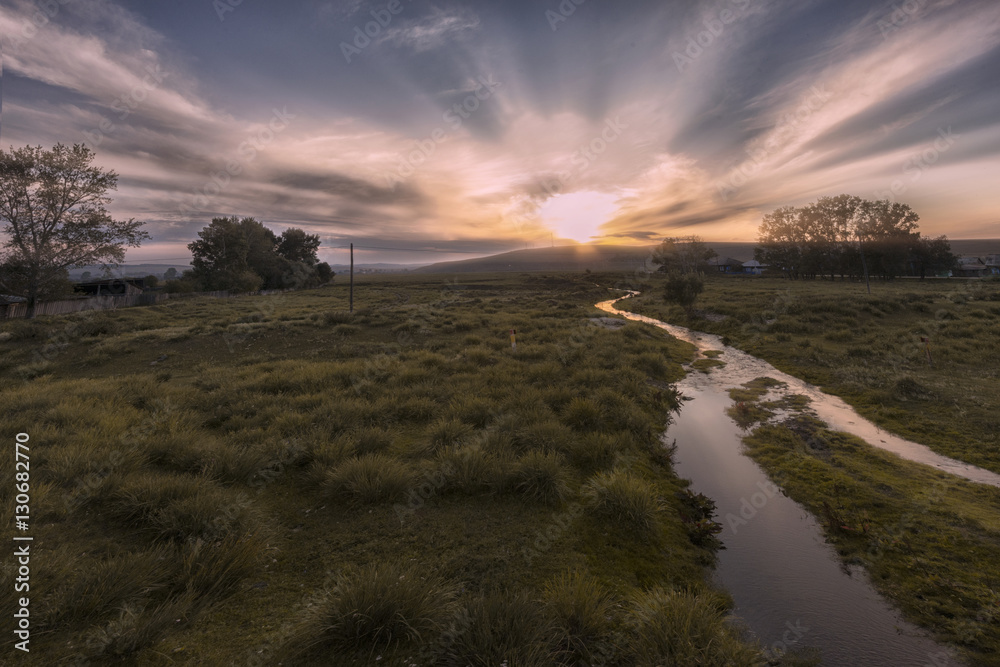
(788, 584)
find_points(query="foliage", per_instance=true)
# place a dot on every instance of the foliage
(687, 254)
(683, 288)
(54, 205)
(242, 255)
(849, 236)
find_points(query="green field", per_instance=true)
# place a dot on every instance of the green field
(868, 349)
(272, 479)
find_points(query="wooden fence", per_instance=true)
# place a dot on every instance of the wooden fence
(16, 310)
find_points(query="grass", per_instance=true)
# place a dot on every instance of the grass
(682, 628)
(206, 507)
(868, 349)
(372, 607)
(626, 500)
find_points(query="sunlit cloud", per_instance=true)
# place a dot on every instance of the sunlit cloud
(477, 128)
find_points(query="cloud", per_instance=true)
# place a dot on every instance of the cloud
(433, 31)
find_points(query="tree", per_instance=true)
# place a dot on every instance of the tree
(243, 255)
(324, 273)
(150, 281)
(295, 245)
(85, 276)
(683, 288)
(781, 242)
(170, 274)
(54, 205)
(932, 255)
(843, 234)
(683, 255)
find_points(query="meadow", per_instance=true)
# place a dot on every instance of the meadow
(270, 480)
(868, 349)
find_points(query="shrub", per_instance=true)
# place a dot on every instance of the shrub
(680, 628)
(375, 606)
(626, 500)
(373, 478)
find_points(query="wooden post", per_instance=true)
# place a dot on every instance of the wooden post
(352, 277)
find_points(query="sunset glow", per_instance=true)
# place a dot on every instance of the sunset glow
(474, 128)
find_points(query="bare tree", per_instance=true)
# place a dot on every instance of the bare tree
(53, 203)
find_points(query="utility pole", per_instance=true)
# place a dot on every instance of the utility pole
(352, 278)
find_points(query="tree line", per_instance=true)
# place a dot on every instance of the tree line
(849, 237)
(53, 206)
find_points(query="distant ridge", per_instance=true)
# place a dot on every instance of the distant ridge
(560, 258)
(624, 258)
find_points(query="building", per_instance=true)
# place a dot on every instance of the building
(111, 287)
(970, 267)
(992, 265)
(753, 267)
(725, 265)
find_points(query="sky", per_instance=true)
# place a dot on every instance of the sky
(434, 130)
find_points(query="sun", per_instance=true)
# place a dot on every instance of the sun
(578, 215)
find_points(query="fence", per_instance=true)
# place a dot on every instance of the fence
(16, 310)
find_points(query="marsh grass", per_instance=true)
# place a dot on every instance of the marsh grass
(372, 607)
(683, 628)
(626, 500)
(504, 628)
(371, 478)
(267, 445)
(583, 612)
(540, 476)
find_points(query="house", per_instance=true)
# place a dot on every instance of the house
(993, 265)
(725, 265)
(970, 267)
(111, 287)
(753, 267)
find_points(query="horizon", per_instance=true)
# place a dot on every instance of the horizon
(455, 131)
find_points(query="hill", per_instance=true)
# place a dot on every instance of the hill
(623, 258)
